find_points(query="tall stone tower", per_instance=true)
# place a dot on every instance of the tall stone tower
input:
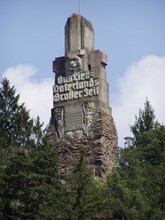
(81, 115)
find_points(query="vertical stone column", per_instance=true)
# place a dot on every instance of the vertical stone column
(81, 115)
(79, 34)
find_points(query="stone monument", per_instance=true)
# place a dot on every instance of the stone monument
(81, 115)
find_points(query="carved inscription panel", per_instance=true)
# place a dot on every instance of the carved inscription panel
(75, 86)
(73, 117)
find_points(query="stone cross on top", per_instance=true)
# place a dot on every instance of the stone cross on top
(81, 111)
(80, 74)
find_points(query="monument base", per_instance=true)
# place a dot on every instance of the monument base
(100, 149)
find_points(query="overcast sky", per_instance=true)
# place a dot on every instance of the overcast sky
(131, 32)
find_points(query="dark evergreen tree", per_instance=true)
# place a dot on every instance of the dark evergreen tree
(2, 184)
(15, 123)
(82, 198)
(30, 180)
(17, 129)
(136, 190)
(144, 122)
(25, 177)
(38, 134)
(31, 188)
(125, 197)
(79, 197)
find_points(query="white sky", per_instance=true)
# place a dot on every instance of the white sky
(131, 32)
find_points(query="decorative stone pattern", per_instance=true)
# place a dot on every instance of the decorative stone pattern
(81, 118)
(78, 119)
(100, 149)
(59, 121)
(89, 109)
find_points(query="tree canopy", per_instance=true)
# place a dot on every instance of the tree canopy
(31, 186)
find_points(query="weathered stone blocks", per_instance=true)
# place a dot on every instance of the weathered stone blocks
(81, 119)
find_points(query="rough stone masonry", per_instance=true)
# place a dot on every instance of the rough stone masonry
(81, 119)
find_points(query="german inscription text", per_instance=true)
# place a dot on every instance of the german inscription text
(75, 86)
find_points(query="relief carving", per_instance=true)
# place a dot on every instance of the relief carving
(75, 64)
(89, 109)
(59, 121)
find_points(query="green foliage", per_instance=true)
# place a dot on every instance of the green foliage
(79, 196)
(38, 133)
(31, 187)
(123, 198)
(2, 184)
(136, 189)
(15, 122)
(17, 129)
(82, 198)
(30, 179)
(143, 123)
(21, 143)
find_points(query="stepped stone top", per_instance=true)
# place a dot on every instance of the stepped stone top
(79, 34)
(81, 111)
